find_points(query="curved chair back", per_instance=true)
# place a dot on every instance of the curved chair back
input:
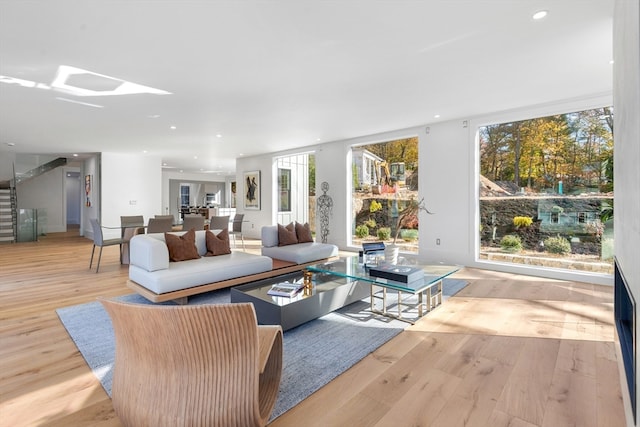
(192, 365)
(193, 221)
(164, 216)
(159, 225)
(219, 222)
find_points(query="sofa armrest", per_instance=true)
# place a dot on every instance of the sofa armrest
(269, 234)
(149, 253)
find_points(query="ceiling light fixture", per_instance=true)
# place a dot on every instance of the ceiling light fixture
(75, 155)
(539, 15)
(86, 104)
(437, 116)
(11, 144)
(79, 82)
(218, 136)
(172, 128)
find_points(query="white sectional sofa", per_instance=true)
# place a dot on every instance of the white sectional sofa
(154, 277)
(299, 253)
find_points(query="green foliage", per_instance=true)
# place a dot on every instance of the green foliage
(371, 223)
(312, 175)
(513, 151)
(606, 211)
(375, 206)
(384, 233)
(522, 221)
(362, 231)
(511, 243)
(557, 209)
(401, 150)
(557, 245)
(409, 235)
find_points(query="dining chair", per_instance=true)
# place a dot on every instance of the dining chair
(98, 240)
(193, 221)
(188, 365)
(219, 222)
(130, 226)
(159, 225)
(164, 216)
(237, 229)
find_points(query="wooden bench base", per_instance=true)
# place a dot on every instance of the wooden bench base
(180, 296)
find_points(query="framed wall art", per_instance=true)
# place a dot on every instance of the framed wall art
(252, 187)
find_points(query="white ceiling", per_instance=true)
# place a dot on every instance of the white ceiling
(273, 75)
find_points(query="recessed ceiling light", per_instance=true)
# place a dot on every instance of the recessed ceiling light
(437, 116)
(539, 14)
(181, 171)
(241, 154)
(153, 116)
(75, 155)
(611, 62)
(144, 151)
(11, 144)
(218, 136)
(164, 164)
(173, 128)
(195, 157)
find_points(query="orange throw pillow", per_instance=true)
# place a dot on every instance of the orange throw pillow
(287, 235)
(217, 245)
(303, 231)
(182, 248)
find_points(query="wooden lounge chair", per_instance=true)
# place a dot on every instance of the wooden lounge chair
(196, 365)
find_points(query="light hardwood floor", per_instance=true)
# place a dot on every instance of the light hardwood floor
(508, 350)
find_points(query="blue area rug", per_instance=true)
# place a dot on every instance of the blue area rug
(322, 348)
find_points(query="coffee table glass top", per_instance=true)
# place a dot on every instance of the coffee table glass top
(349, 267)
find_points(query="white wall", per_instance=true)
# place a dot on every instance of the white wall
(129, 185)
(626, 93)
(266, 215)
(46, 192)
(7, 160)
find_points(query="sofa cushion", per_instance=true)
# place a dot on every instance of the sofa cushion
(303, 232)
(196, 272)
(217, 244)
(302, 252)
(287, 235)
(182, 248)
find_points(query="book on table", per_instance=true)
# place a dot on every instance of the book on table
(285, 289)
(397, 273)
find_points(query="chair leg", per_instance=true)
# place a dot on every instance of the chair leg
(92, 251)
(99, 258)
(242, 238)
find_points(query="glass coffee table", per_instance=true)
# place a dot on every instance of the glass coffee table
(428, 289)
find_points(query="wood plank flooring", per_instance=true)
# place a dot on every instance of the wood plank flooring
(508, 350)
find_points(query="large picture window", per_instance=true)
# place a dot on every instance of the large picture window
(385, 183)
(546, 191)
